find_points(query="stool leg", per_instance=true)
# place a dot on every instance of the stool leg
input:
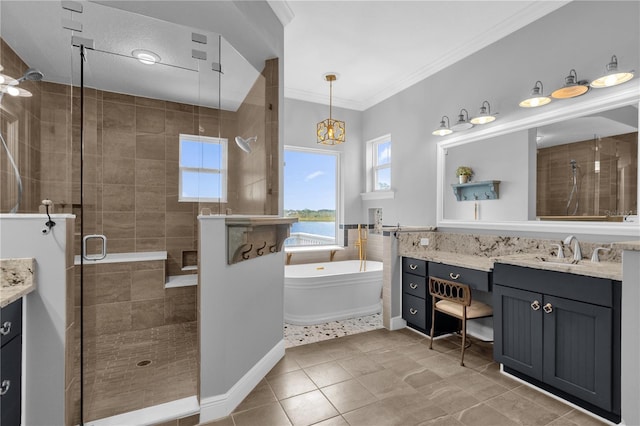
(433, 321)
(464, 338)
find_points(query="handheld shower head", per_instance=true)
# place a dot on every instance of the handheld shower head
(32, 74)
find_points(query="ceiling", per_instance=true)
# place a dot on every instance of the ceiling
(377, 48)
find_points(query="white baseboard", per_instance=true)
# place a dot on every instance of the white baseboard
(217, 406)
(397, 323)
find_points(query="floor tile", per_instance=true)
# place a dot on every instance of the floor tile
(521, 409)
(308, 408)
(260, 395)
(348, 396)
(360, 365)
(271, 414)
(291, 384)
(483, 415)
(384, 384)
(327, 374)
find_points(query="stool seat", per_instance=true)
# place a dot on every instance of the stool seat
(474, 310)
(454, 299)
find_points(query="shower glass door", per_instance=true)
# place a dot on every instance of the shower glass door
(139, 338)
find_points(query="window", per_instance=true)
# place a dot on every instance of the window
(379, 164)
(203, 169)
(311, 182)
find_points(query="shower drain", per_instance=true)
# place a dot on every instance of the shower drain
(144, 363)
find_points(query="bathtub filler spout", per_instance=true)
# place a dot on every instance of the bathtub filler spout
(362, 247)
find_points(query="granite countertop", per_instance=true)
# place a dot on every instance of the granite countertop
(627, 245)
(16, 279)
(463, 260)
(608, 270)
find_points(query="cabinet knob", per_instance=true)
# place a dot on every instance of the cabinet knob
(454, 276)
(413, 267)
(4, 387)
(535, 305)
(413, 286)
(5, 328)
(548, 308)
(413, 311)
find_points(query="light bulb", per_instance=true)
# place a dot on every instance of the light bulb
(13, 91)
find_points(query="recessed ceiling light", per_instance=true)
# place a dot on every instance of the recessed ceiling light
(145, 56)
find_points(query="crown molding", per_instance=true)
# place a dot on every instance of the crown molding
(282, 10)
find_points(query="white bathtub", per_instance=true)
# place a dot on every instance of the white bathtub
(315, 293)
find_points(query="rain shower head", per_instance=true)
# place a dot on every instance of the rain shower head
(243, 143)
(32, 74)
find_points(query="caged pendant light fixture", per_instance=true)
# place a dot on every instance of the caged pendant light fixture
(330, 131)
(612, 77)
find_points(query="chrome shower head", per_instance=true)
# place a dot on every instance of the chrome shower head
(32, 74)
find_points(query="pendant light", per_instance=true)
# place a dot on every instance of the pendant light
(484, 116)
(612, 77)
(330, 131)
(536, 98)
(572, 87)
(462, 123)
(444, 129)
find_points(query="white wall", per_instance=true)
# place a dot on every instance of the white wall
(43, 334)
(513, 175)
(241, 320)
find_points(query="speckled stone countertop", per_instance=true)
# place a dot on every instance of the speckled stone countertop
(627, 245)
(481, 252)
(608, 270)
(16, 279)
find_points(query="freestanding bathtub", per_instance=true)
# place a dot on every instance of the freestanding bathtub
(315, 293)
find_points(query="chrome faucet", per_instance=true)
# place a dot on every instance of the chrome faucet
(577, 253)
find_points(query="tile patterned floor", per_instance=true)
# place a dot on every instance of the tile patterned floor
(295, 335)
(381, 378)
(116, 384)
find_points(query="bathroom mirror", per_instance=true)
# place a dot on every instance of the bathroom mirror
(527, 154)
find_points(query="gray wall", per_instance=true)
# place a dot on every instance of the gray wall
(580, 35)
(300, 123)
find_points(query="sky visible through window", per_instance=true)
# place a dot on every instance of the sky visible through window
(309, 181)
(202, 161)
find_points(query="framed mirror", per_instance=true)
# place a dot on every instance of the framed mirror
(526, 154)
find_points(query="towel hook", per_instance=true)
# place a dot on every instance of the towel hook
(259, 250)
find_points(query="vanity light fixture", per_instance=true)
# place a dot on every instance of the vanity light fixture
(462, 123)
(484, 116)
(444, 129)
(536, 98)
(147, 57)
(330, 131)
(572, 87)
(612, 77)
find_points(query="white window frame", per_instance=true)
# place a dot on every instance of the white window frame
(339, 193)
(222, 171)
(372, 168)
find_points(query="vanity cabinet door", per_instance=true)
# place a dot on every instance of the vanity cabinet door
(518, 330)
(577, 349)
(10, 377)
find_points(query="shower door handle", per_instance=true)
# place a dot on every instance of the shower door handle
(98, 256)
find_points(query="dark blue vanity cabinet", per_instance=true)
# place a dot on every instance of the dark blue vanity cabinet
(10, 363)
(416, 301)
(560, 332)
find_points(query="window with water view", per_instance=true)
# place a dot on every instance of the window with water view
(310, 194)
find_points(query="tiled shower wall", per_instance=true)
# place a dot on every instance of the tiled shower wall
(20, 127)
(613, 189)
